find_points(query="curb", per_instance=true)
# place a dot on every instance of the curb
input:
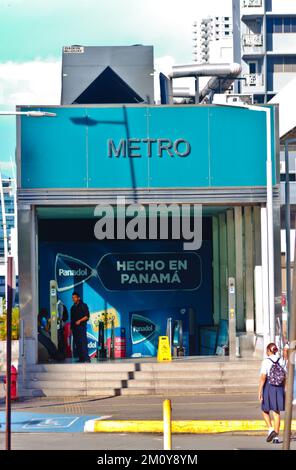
(178, 427)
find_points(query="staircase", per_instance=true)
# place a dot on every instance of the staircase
(178, 378)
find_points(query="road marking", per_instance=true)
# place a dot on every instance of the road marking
(51, 423)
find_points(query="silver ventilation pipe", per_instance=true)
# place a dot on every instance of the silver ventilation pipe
(205, 70)
(182, 92)
(223, 76)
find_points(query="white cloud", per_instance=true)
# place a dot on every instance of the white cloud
(36, 82)
(39, 82)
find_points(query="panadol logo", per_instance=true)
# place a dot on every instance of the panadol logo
(73, 272)
(142, 329)
(139, 329)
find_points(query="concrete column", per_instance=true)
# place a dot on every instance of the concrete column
(28, 292)
(230, 243)
(216, 271)
(258, 298)
(239, 278)
(257, 235)
(223, 267)
(249, 273)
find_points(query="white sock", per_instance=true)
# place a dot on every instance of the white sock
(270, 430)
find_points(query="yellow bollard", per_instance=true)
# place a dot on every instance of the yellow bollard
(167, 425)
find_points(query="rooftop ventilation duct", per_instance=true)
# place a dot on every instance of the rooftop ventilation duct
(222, 75)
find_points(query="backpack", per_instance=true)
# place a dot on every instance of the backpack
(277, 374)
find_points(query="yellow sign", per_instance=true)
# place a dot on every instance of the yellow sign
(107, 316)
(164, 350)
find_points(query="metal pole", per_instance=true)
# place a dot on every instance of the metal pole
(232, 318)
(8, 350)
(4, 226)
(291, 365)
(196, 90)
(270, 227)
(288, 229)
(167, 425)
(288, 237)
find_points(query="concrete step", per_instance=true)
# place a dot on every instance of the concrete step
(145, 366)
(64, 392)
(194, 374)
(181, 384)
(158, 374)
(74, 385)
(142, 378)
(92, 367)
(161, 391)
(167, 392)
(187, 366)
(82, 375)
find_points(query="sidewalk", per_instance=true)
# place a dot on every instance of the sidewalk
(238, 406)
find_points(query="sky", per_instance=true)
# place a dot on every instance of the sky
(33, 32)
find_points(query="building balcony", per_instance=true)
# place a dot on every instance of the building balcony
(253, 80)
(252, 40)
(252, 3)
(252, 8)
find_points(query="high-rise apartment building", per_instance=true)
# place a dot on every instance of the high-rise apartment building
(264, 42)
(212, 39)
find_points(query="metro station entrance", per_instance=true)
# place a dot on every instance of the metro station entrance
(138, 290)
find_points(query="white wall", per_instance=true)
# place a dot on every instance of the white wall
(281, 79)
(283, 6)
(284, 43)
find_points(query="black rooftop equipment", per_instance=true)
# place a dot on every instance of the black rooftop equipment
(107, 74)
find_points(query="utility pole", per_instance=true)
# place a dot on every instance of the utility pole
(10, 283)
(291, 363)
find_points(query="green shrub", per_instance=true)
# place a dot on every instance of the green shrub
(15, 327)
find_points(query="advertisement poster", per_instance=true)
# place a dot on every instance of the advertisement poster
(126, 286)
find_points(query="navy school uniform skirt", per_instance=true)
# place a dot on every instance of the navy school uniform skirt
(273, 397)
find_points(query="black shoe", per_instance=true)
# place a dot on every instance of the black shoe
(271, 436)
(276, 440)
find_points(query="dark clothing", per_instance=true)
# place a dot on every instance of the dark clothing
(79, 311)
(65, 315)
(80, 340)
(273, 397)
(44, 339)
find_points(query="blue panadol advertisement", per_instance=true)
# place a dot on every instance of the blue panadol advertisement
(147, 325)
(133, 287)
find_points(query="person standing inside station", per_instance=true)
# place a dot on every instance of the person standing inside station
(79, 319)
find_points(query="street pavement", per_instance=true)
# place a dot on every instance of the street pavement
(80, 441)
(40, 413)
(240, 406)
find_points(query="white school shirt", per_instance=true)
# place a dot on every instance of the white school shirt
(267, 364)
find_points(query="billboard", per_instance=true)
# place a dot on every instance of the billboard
(160, 285)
